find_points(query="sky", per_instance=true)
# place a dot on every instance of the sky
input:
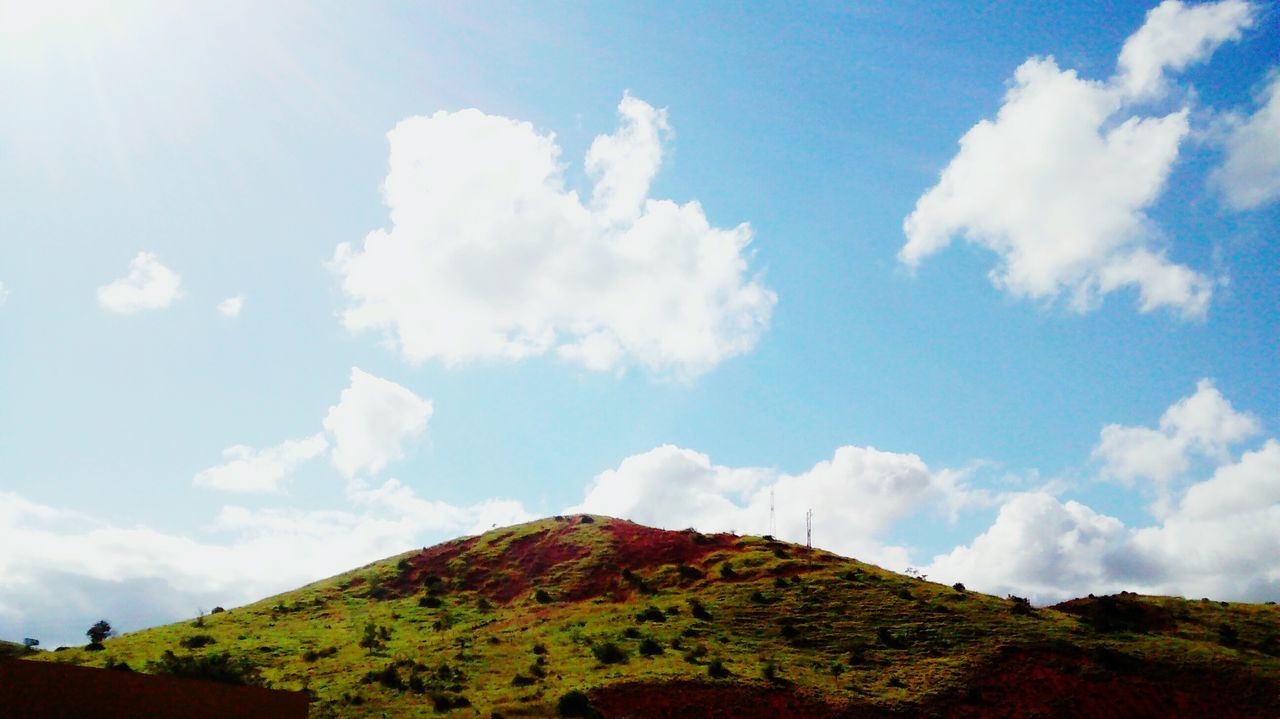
(285, 289)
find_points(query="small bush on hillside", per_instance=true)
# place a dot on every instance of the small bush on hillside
(693, 655)
(651, 614)
(430, 601)
(609, 653)
(196, 641)
(520, 680)
(699, 610)
(904, 593)
(758, 597)
(959, 587)
(650, 648)
(312, 655)
(211, 667)
(541, 597)
(887, 638)
(403, 565)
(217, 610)
(374, 637)
(484, 605)
(700, 538)
(689, 573)
(769, 672)
(1228, 636)
(448, 701)
(388, 677)
(588, 519)
(576, 704)
(727, 571)
(631, 633)
(113, 663)
(1020, 606)
(717, 670)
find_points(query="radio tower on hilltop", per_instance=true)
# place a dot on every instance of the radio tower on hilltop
(772, 528)
(808, 529)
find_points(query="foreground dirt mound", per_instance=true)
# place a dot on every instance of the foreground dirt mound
(1064, 682)
(698, 700)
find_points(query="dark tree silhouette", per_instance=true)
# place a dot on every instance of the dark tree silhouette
(99, 631)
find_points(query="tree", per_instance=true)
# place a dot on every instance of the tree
(100, 631)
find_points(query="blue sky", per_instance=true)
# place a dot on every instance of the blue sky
(993, 289)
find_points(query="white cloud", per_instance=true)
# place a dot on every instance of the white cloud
(148, 286)
(231, 306)
(1037, 547)
(371, 422)
(60, 572)
(4, 294)
(1250, 174)
(366, 430)
(490, 257)
(1058, 184)
(856, 496)
(1220, 538)
(1204, 424)
(247, 470)
(1175, 36)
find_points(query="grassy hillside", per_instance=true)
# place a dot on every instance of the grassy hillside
(645, 623)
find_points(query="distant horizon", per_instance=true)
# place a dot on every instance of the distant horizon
(287, 290)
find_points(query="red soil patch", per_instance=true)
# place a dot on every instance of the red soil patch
(1045, 683)
(700, 700)
(543, 558)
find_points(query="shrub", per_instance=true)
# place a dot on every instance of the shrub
(446, 701)
(402, 565)
(693, 655)
(959, 587)
(196, 641)
(758, 597)
(520, 680)
(887, 638)
(1227, 635)
(575, 704)
(541, 597)
(727, 571)
(631, 633)
(484, 605)
(904, 593)
(717, 670)
(1021, 605)
(387, 677)
(217, 610)
(689, 573)
(698, 610)
(651, 614)
(539, 648)
(211, 667)
(769, 672)
(897, 682)
(609, 653)
(650, 648)
(588, 519)
(430, 601)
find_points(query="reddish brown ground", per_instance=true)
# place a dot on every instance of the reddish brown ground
(700, 700)
(547, 557)
(1040, 683)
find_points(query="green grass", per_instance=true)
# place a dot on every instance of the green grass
(826, 626)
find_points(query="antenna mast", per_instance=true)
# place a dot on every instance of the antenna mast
(772, 524)
(808, 529)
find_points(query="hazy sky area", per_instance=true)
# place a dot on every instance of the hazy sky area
(289, 287)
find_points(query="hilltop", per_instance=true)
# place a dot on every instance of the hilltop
(592, 616)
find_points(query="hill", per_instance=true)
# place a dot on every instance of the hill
(592, 616)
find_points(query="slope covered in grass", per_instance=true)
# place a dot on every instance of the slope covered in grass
(592, 616)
